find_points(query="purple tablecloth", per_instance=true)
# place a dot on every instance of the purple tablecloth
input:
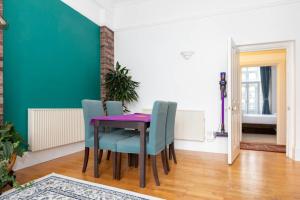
(136, 117)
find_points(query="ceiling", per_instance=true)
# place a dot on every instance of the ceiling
(121, 2)
(133, 13)
(117, 3)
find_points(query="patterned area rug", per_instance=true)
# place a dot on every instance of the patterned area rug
(60, 187)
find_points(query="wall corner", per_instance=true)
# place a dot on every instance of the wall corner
(106, 56)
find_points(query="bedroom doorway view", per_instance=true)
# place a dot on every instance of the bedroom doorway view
(263, 100)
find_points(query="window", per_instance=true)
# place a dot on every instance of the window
(251, 90)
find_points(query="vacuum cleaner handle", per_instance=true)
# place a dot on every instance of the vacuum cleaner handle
(223, 84)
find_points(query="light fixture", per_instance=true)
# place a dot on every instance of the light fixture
(187, 54)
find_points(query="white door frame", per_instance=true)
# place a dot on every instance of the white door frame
(290, 86)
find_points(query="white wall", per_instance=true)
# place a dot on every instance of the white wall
(153, 54)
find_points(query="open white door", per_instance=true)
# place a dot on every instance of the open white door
(233, 96)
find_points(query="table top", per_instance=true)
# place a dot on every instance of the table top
(136, 117)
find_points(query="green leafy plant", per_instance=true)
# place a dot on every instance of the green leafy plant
(120, 86)
(11, 146)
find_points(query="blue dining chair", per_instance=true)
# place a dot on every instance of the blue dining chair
(155, 141)
(114, 108)
(107, 140)
(170, 127)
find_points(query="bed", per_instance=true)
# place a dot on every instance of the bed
(262, 124)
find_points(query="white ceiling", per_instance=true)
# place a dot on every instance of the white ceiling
(124, 2)
(118, 3)
(122, 14)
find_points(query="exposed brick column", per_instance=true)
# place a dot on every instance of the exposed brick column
(107, 56)
(1, 66)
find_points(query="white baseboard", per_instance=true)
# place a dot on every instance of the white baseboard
(33, 158)
(297, 154)
(218, 145)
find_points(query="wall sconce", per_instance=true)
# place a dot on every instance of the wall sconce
(187, 54)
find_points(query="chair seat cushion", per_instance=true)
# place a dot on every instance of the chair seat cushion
(132, 145)
(108, 141)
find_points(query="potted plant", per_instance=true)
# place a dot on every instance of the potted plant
(120, 86)
(11, 146)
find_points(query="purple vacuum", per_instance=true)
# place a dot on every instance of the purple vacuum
(222, 83)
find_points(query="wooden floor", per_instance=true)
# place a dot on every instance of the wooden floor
(255, 175)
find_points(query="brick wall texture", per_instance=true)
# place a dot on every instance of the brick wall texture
(106, 57)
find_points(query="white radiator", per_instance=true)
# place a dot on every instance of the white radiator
(48, 128)
(189, 125)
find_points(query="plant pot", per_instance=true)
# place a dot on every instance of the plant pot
(12, 162)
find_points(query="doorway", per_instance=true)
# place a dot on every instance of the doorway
(285, 110)
(263, 89)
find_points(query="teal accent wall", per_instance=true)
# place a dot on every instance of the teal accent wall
(51, 58)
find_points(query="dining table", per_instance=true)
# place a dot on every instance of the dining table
(136, 121)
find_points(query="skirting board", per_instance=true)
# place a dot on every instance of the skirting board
(218, 145)
(34, 158)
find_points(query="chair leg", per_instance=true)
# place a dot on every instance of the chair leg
(133, 160)
(114, 163)
(108, 154)
(86, 158)
(118, 170)
(173, 153)
(167, 160)
(100, 155)
(170, 152)
(163, 159)
(129, 160)
(136, 161)
(154, 170)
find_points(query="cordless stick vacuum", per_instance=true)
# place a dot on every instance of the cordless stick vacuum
(222, 83)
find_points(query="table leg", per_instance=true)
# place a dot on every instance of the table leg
(96, 147)
(142, 160)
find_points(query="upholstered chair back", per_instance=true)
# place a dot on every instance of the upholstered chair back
(91, 108)
(170, 126)
(114, 108)
(157, 134)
